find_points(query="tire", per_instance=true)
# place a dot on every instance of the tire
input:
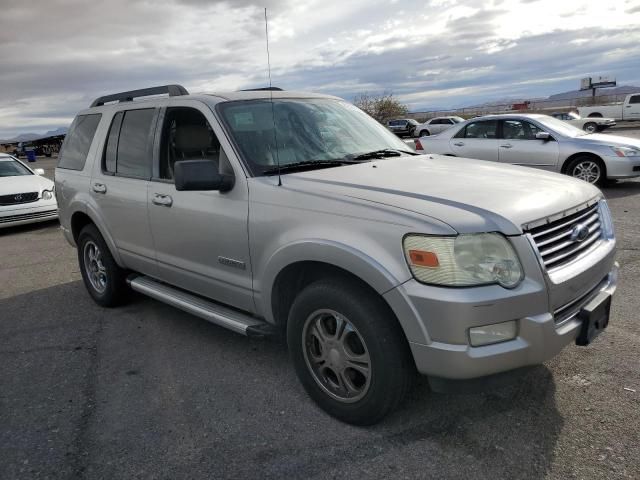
(104, 279)
(590, 127)
(580, 167)
(424, 133)
(369, 332)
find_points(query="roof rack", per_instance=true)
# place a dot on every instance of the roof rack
(172, 90)
(262, 89)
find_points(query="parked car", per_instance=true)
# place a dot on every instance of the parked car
(539, 141)
(436, 125)
(403, 127)
(589, 125)
(25, 195)
(371, 260)
(627, 110)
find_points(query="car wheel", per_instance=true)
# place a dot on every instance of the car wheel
(348, 351)
(590, 127)
(104, 279)
(589, 169)
(424, 133)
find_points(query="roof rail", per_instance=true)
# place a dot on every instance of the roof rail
(262, 89)
(172, 90)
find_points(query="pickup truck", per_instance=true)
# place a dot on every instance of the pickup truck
(627, 110)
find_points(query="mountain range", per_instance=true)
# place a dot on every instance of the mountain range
(27, 137)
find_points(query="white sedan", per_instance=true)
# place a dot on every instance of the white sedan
(436, 125)
(25, 195)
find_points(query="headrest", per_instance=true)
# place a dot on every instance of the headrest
(192, 137)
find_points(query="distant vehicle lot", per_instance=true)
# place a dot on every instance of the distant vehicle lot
(149, 391)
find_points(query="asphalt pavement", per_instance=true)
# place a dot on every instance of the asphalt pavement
(147, 391)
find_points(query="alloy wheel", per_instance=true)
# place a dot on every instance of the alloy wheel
(588, 170)
(94, 267)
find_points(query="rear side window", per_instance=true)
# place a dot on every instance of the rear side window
(486, 129)
(78, 141)
(128, 148)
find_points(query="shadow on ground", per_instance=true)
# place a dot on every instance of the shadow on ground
(148, 391)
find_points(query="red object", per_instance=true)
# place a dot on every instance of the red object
(418, 144)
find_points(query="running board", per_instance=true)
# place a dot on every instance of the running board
(200, 307)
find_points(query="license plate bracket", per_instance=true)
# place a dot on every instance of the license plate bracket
(594, 317)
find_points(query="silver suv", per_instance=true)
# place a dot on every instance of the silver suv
(271, 212)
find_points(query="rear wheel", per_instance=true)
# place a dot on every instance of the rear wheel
(424, 133)
(348, 351)
(587, 168)
(104, 279)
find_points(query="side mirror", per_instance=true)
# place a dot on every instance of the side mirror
(201, 175)
(543, 136)
(38, 171)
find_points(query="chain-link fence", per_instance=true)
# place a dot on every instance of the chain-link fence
(537, 106)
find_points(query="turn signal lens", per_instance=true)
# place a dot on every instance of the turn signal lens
(418, 144)
(420, 258)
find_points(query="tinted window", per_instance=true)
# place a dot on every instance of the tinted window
(484, 129)
(77, 142)
(111, 150)
(635, 99)
(519, 130)
(134, 157)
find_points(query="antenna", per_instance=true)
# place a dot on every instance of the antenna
(273, 112)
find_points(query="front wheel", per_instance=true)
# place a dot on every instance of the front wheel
(348, 351)
(589, 169)
(590, 127)
(424, 133)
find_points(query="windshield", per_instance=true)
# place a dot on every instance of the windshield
(457, 119)
(307, 130)
(561, 127)
(11, 168)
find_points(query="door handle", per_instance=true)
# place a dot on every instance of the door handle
(506, 145)
(628, 106)
(99, 188)
(164, 200)
(459, 144)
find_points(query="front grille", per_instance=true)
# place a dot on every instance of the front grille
(17, 198)
(558, 241)
(28, 216)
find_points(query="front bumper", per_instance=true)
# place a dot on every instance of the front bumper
(444, 317)
(622, 167)
(22, 214)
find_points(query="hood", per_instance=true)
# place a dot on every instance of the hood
(24, 184)
(615, 140)
(469, 195)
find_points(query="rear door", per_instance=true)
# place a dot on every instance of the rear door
(477, 140)
(119, 186)
(631, 111)
(519, 146)
(201, 237)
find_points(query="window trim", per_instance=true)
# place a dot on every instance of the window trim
(150, 142)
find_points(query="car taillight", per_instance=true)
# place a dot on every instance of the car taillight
(418, 144)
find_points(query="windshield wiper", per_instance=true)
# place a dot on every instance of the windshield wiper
(382, 153)
(306, 165)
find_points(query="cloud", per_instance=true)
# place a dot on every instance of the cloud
(57, 56)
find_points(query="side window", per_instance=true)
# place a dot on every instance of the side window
(436, 121)
(186, 135)
(78, 141)
(519, 130)
(634, 99)
(127, 151)
(486, 130)
(447, 121)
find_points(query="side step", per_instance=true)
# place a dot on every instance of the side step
(200, 307)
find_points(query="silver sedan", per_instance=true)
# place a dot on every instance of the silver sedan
(539, 141)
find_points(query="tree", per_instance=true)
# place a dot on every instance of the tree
(382, 107)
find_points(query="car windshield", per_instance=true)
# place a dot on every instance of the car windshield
(574, 115)
(561, 127)
(11, 168)
(306, 130)
(457, 119)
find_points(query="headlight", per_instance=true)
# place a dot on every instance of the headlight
(606, 220)
(626, 151)
(47, 194)
(462, 261)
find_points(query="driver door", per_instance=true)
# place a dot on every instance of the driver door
(519, 146)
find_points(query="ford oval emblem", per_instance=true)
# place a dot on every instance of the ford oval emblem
(579, 233)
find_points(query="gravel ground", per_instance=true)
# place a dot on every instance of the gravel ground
(146, 391)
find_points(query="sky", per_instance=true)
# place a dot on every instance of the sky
(56, 56)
